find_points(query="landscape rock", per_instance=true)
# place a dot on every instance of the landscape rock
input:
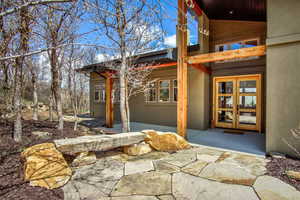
(293, 174)
(165, 141)
(45, 166)
(137, 149)
(138, 167)
(84, 158)
(97, 142)
(189, 187)
(148, 184)
(270, 188)
(41, 134)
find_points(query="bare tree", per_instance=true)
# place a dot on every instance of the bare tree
(24, 34)
(131, 27)
(58, 29)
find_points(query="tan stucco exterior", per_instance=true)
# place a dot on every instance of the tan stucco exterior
(283, 73)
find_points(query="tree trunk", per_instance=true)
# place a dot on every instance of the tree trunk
(24, 37)
(35, 96)
(56, 90)
(17, 102)
(51, 107)
(123, 101)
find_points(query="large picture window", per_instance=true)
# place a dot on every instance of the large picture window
(164, 91)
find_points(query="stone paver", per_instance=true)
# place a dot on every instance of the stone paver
(188, 187)
(135, 198)
(180, 159)
(94, 181)
(138, 167)
(193, 174)
(194, 168)
(166, 197)
(228, 173)
(149, 183)
(163, 166)
(270, 188)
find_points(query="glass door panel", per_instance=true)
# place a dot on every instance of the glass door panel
(225, 111)
(248, 97)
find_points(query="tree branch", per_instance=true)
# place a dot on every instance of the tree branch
(32, 3)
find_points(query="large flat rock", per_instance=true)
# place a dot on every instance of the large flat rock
(147, 184)
(270, 188)
(189, 187)
(98, 142)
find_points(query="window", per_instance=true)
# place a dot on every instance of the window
(116, 93)
(151, 96)
(237, 45)
(175, 90)
(99, 93)
(97, 96)
(164, 91)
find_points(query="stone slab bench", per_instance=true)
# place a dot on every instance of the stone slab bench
(98, 142)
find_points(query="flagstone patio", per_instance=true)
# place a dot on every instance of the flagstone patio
(193, 174)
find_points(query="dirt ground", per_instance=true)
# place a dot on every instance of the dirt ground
(277, 167)
(12, 185)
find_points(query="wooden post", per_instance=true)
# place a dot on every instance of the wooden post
(109, 105)
(182, 69)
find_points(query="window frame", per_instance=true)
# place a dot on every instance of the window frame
(159, 88)
(173, 90)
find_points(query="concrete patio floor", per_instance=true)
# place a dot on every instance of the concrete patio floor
(250, 142)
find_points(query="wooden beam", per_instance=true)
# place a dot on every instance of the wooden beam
(201, 68)
(228, 55)
(182, 68)
(109, 105)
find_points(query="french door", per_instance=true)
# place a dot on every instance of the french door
(237, 102)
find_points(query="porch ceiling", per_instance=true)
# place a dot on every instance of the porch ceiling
(248, 10)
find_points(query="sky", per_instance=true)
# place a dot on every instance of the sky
(169, 11)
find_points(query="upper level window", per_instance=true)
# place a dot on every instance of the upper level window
(164, 91)
(237, 45)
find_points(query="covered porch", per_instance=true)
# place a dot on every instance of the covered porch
(249, 142)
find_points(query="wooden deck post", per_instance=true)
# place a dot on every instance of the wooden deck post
(182, 69)
(109, 105)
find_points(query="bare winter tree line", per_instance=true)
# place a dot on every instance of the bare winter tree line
(32, 29)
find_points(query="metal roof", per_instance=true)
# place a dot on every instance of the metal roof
(155, 57)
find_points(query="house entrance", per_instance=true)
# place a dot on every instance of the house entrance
(237, 102)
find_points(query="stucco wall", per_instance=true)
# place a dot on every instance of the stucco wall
(163, 113)
(283, 73)
(166, 113)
